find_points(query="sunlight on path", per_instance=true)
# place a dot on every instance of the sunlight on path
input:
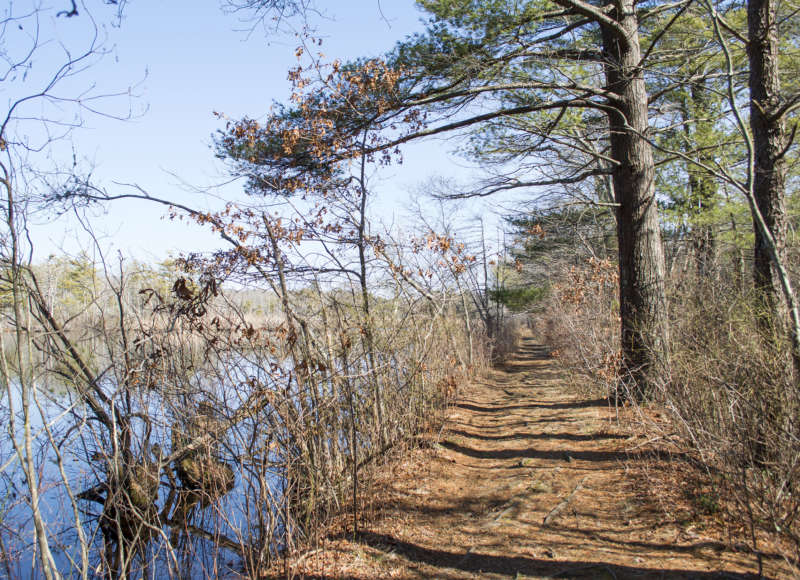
(529, 480)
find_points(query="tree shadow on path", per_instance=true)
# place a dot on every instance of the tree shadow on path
(515, 565)
(532, 436)
(584, 404)
(560, 454)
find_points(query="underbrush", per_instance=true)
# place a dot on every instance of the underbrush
(733, 398)
(509, 337)
(732, 401)
(212, 443)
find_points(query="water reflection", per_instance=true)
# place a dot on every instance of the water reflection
(207, 512)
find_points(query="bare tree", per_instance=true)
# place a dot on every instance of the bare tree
(40, 112)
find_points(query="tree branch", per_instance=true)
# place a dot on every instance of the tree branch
(597, 15)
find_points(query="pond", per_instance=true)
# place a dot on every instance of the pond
(213, 512)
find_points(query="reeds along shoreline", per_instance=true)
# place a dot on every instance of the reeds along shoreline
(303, 401)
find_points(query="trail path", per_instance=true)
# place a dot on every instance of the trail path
(530, 480)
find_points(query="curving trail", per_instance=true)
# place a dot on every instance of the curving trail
(529, 480)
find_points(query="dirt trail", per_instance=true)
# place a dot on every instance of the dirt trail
(529, 480)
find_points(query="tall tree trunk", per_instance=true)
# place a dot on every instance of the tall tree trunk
(643, 305)
(378, 404)
(768, 128)
(702, 186)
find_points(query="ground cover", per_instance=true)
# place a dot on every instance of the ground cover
(532, 478)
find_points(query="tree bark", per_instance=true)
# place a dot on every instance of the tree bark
(702, 186)
(643, 305)
(768, 129)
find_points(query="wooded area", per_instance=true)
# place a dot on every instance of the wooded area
(208, 415)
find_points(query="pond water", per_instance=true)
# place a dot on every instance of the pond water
(195, 538)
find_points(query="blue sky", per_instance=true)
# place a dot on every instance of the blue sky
(184, 60)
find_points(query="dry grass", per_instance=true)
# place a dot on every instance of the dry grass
(729, 402)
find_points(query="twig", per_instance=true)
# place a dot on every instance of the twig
(563, 504)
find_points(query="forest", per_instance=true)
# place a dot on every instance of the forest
(212, 414)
